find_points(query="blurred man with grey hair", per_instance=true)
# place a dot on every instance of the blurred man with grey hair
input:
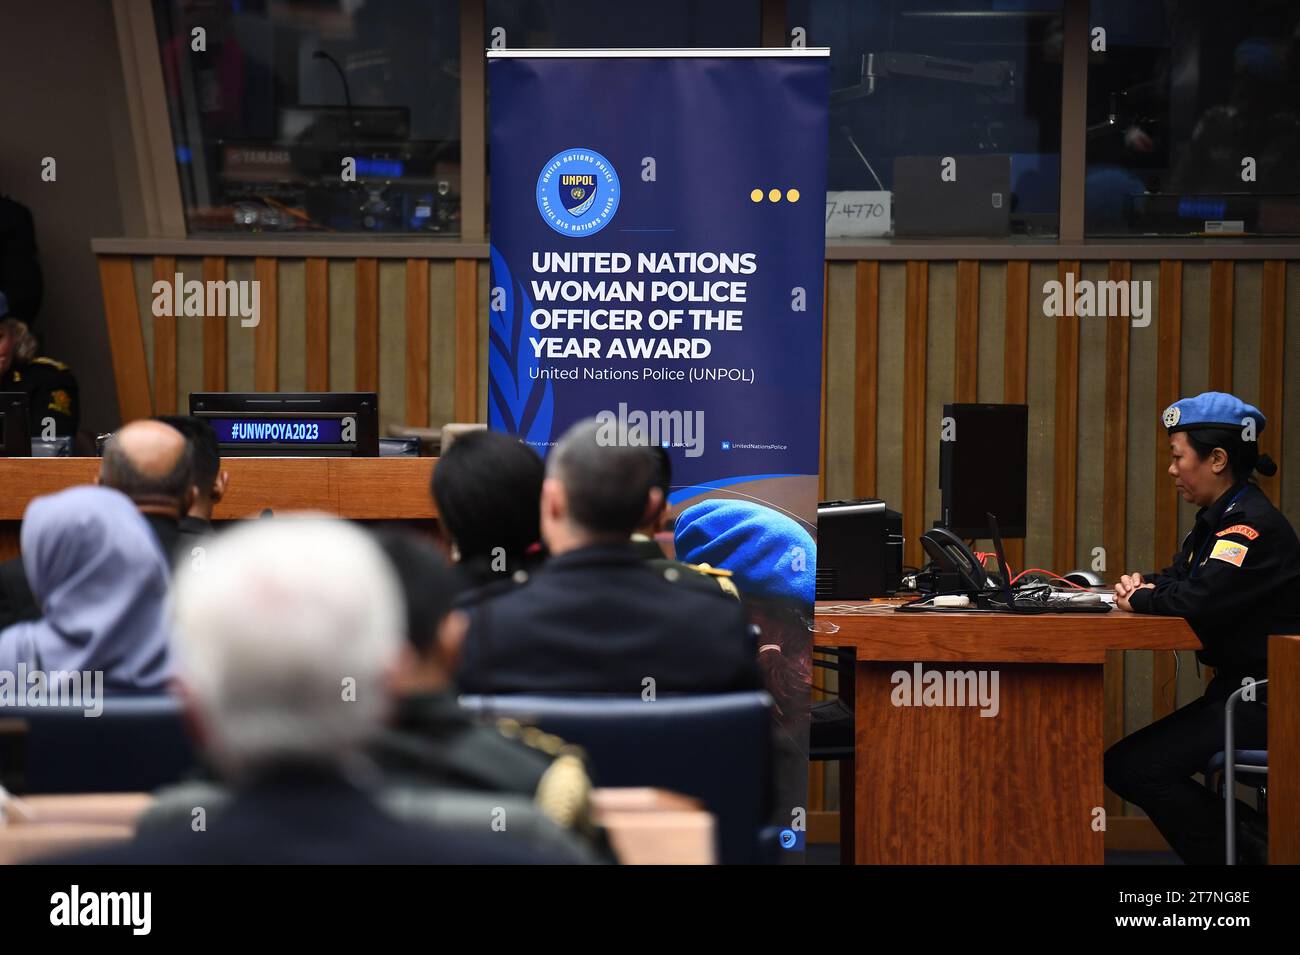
(287, 636)
(597, 618)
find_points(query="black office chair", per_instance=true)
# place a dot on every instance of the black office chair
(1222, 772)
(716, 748)
(136, 744)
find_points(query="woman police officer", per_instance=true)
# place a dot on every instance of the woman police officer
(1236, 580)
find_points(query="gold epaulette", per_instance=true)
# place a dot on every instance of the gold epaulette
(710, 570)
(51, 362)
(721, 577)
(564, 792)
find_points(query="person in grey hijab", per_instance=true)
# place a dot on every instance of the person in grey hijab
(100, 576)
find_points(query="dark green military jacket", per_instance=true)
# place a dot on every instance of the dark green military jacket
(432, 740)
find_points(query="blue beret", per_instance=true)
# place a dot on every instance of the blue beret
(1212, 409)
(768, 553)
(4, 305)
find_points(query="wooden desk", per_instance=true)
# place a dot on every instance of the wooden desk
(646, 826)
(1283, 750)
(355, 488)
(943, 784)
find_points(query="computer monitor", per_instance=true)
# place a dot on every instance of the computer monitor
(311, 424)
(15, 434)
(977, 202)
(983, 460)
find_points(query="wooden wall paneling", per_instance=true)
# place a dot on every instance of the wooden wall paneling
(164, 344)
(890, 417)
(214, 331)
(1168, 361)
(393, 346)
(966, 361)
(442, 342)
(821, 460)
(940, 371)
(1221, 315)
(417, 343)
(318, 325)
(1272, 355)
(1015, 366)
(266, 336)
(343, 324)
(866, 377)
(1287, 454)
(839, 381)
(1115, 510)
(367, 325)
(125, 340)
(465, 406)
(992, 331)
(241, 349)
(1065, 478)
(914, 341)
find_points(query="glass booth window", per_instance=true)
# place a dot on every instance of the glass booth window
(945, 115)
(315, 115)
(1194, 118)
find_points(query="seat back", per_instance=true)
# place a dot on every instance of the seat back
(136, 744)
(714, 747)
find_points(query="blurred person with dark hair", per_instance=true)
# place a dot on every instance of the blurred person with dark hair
(209, 478)
(433, 740)
(595, 618)
(285, 647)
(98, 573)
(486, 488)
(1234, 580)
(702, 576)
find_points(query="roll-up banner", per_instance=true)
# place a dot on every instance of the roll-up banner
(658, 255)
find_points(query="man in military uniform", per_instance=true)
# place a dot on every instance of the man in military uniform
(595, 618)
(1235, 581)
(50, 386)
(434, 741)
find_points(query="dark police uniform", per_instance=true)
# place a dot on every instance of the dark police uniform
(598, 620)
(1236, 581)
(699, 576)
(433, 740)
(52, 392)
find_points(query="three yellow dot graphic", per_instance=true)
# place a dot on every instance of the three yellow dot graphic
(774, 195)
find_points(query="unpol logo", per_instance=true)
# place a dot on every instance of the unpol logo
(578, 192)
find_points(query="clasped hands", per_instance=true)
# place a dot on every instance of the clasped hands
(1126, 587)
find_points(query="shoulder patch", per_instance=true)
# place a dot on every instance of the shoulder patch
(1247, 532)
(51, 362)
(1229, 552)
